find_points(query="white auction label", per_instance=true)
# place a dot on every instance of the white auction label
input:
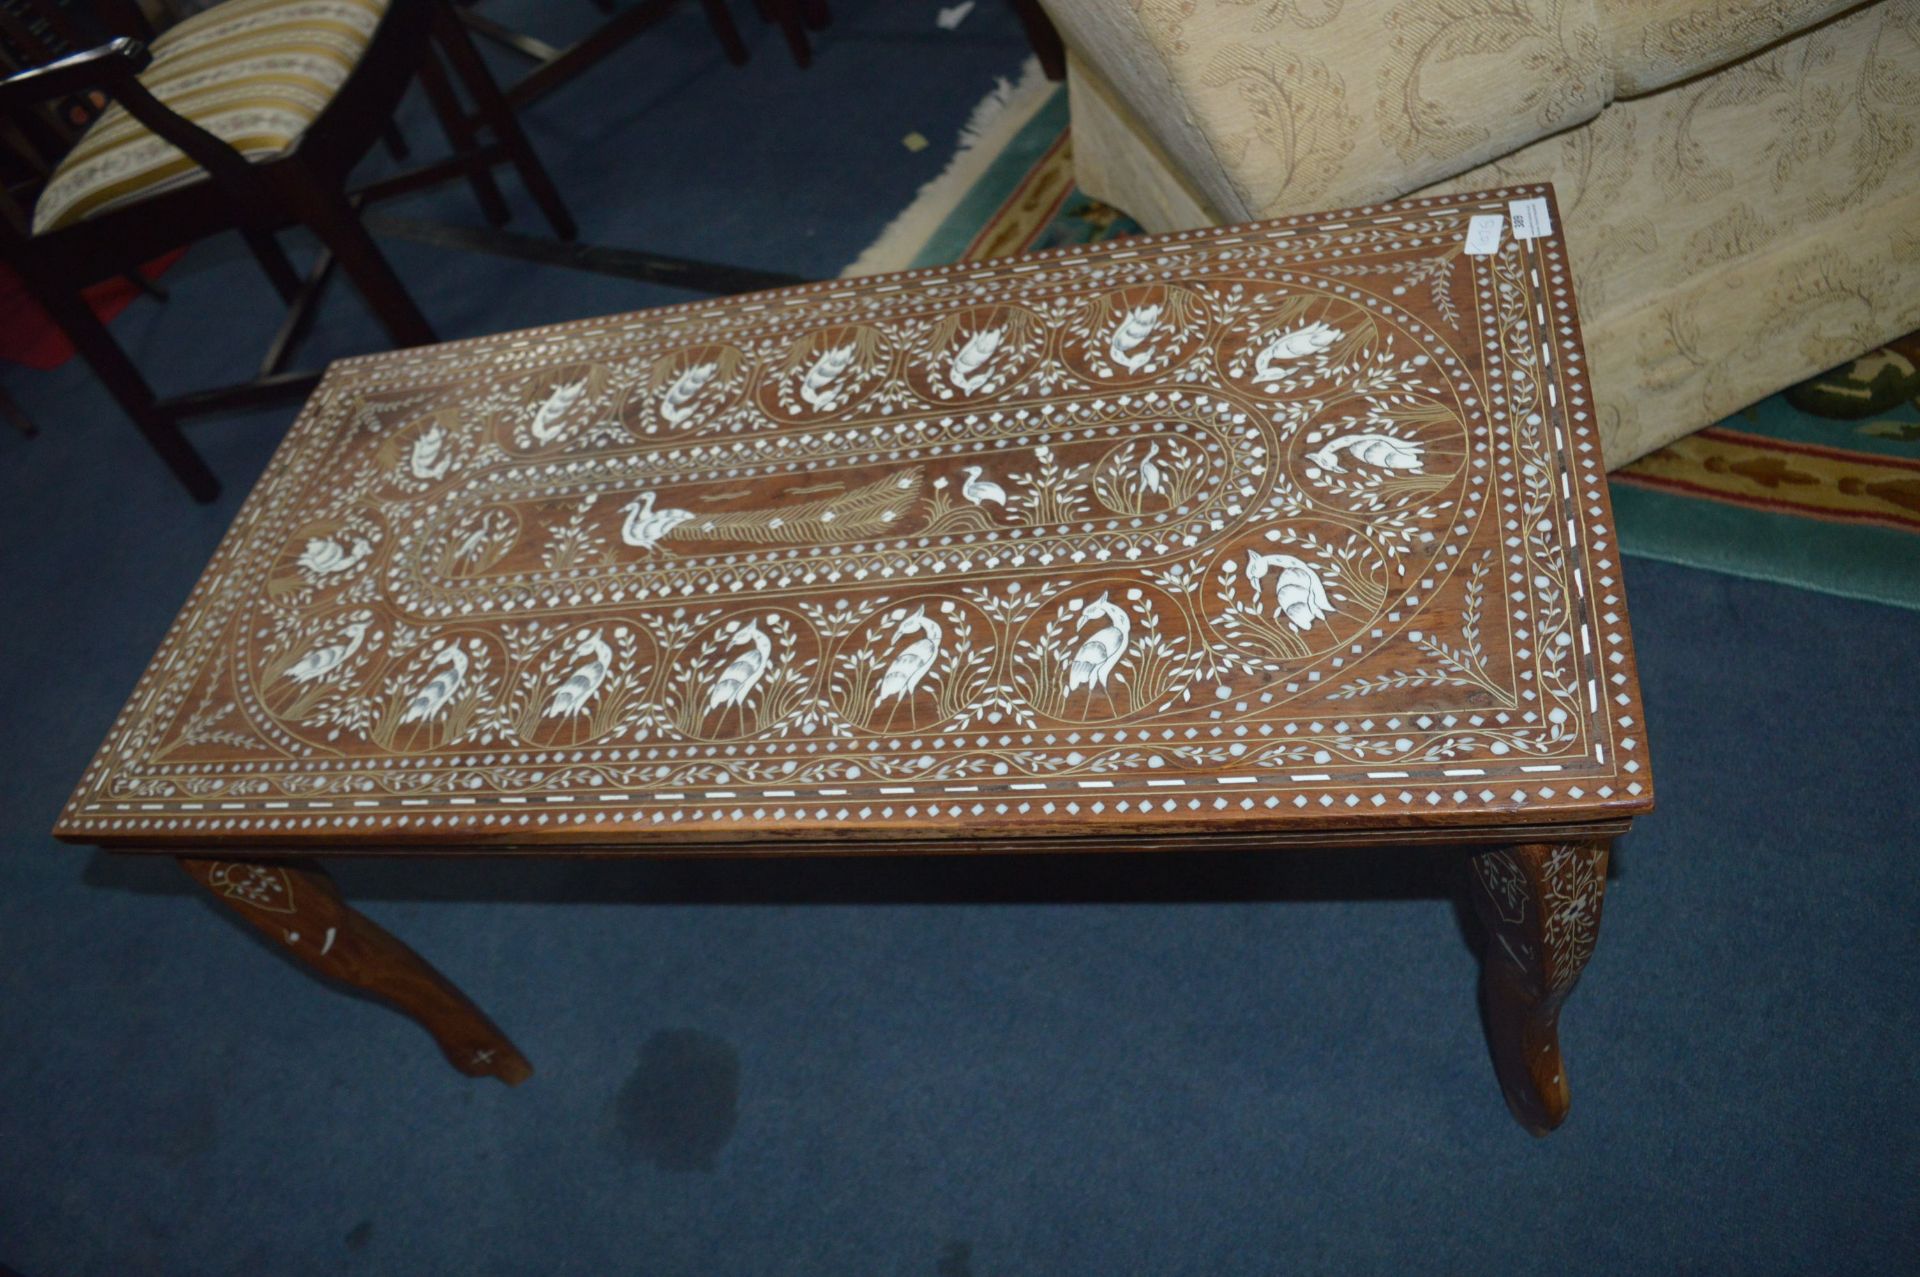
(1530, 218)
(1483, 234)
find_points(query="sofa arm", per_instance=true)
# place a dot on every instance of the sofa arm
(1301, 104)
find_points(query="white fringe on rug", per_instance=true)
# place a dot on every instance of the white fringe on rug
(992, 125)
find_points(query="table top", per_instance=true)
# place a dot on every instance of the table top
(1290, 532)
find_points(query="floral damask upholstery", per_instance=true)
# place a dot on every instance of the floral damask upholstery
(1653, 43)
(1739, 179)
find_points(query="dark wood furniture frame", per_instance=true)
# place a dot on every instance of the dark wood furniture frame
(554, 66)
(307, 187)
(1043, 38)
(16, 415)
(796, 18)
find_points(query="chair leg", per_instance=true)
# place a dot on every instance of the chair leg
(329, 215)
(16, 415)
(140, 283)
(129, 389)
(1044, 40)
(497, 113)
(792, 26)
(395, 141)
(273, 261)
(723, 29)
(460, 136)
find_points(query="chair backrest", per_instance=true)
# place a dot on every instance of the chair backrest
(50, 29)
(34, 33)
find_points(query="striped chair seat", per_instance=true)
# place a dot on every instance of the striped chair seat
(254, 73)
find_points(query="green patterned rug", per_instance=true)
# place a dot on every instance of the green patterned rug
(1817, 487)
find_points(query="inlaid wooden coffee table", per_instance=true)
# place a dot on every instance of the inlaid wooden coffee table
(1270, 537)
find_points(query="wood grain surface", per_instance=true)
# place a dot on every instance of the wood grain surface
(1286, 533)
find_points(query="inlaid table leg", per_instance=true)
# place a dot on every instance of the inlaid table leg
(297, 905)
(1541, 906)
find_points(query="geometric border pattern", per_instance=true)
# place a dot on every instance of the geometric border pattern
(604, 802)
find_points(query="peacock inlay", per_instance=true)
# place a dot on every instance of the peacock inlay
(1298, 520)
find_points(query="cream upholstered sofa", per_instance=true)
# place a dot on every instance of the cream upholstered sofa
(1740, 180)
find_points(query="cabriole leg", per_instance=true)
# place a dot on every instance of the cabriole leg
(1541, 906)
(296, 905)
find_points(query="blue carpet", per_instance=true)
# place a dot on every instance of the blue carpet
(1205, 1065)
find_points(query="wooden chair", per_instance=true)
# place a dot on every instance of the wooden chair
(227, 170)
(795, 18)
(554, 67)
